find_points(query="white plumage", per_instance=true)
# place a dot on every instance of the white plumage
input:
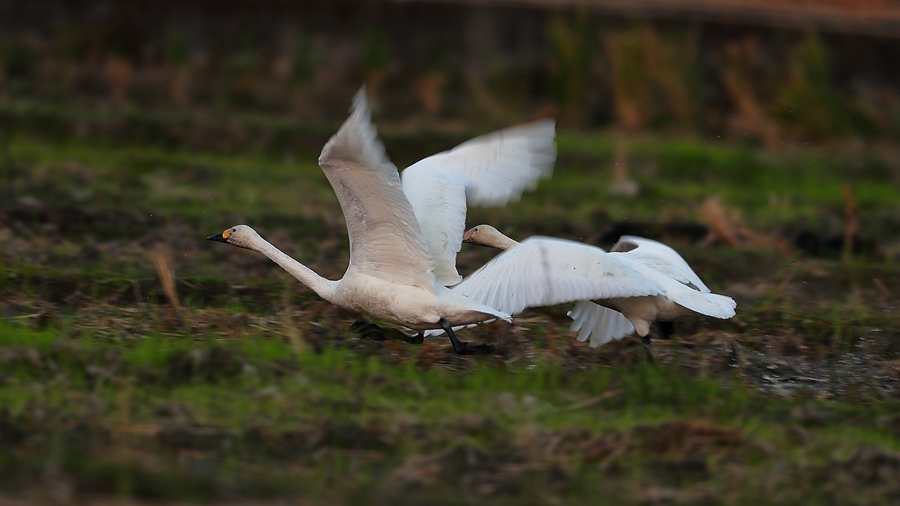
(543, 271)
(391, 275)
(618, 293)
(489, 170)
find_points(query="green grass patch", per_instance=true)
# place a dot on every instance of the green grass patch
(337, 415)
(767, 187)
(257, 389)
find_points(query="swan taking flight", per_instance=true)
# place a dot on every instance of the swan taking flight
(618, 293)
(394, 272)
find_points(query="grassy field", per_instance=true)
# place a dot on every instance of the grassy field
(140, 363)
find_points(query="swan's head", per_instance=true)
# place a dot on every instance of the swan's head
(477, 235)
(486, 235)
(241, 236)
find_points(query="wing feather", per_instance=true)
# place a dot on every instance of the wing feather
(439, 201)
(499, 166)
(660, 257)
(385, 238)
(599, 323)
(543, 271)
(489, 170)
(709, 304)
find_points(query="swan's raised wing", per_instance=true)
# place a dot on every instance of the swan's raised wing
(660, 257)
(439, 201)
(543, 271)
(489, 170)
(385, 239)
(599, 323)
(499, 166)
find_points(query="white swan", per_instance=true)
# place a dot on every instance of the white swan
(391, 275)
(640, 281)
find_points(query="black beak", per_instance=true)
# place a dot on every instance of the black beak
(217, 237)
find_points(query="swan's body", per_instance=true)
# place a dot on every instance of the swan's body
(619, 293)
(391, 275)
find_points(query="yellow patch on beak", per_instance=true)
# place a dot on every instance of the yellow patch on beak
(225, 234)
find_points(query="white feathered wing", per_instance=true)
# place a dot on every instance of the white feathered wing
(377, 212)
(543, 271)
(489, 170)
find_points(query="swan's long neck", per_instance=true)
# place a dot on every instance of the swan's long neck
(495, 239)
(325, 288)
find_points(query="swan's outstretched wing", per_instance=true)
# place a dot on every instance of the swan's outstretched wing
(489, 170)
(543, 271)
(660, 257)
(599, 323)
(497, 167)
(439, 201)
(385, 239)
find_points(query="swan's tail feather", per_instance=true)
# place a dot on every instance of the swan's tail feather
(709, 304)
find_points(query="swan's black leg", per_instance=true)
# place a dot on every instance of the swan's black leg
(459, 347)
(367, 330)
(648, 348)
(373, 331)
(734, 354)
(416, 339)
(666, 329)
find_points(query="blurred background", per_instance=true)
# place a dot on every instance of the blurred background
(760, 71)
(803, 97)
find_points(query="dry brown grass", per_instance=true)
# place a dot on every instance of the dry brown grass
(727, 227)
(742, 63)
(162, 260)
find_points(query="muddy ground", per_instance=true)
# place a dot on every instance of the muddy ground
(145, 364)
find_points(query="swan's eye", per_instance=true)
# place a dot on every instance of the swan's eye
(226, 233)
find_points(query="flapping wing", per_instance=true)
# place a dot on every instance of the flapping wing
(489, 170)
(499, 166)
(385, 238)
(439, 201)
(542, 271)
(661, 257)
(599, 323)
